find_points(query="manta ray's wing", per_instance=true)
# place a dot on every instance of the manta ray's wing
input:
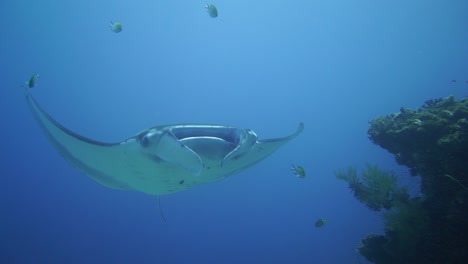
(93, 158)
(119, 165)
(272, 144)
(259, 151)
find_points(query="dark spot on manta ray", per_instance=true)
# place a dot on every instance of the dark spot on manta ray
(181, 182)
(136, 172)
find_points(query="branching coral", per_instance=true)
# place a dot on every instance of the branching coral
(350, 175)
(377, 189)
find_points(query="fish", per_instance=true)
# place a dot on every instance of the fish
(163, 159)
(115, 26)
(212, 10)
(32, 81)
(321, 222)
(298, 171)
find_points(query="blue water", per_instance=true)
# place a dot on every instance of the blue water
(263, 65)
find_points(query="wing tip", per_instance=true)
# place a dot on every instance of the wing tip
(300, 128)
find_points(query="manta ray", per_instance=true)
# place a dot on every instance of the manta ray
(163, 159)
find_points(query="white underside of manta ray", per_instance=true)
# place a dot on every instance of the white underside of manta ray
(163, 159)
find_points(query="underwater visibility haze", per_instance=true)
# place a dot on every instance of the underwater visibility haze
(201, 98)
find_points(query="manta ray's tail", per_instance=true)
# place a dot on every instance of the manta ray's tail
(160, 209)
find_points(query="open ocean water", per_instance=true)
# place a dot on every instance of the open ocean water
(263, 65)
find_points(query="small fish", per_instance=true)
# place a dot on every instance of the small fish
(32, 81)
(115, 26)
(298, 171)
(321, 222)
(212, 11)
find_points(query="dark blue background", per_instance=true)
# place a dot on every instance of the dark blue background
(264, 65)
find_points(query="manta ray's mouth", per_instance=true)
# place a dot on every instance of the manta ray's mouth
(231, 135)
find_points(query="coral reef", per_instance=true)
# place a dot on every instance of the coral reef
(433, 143)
